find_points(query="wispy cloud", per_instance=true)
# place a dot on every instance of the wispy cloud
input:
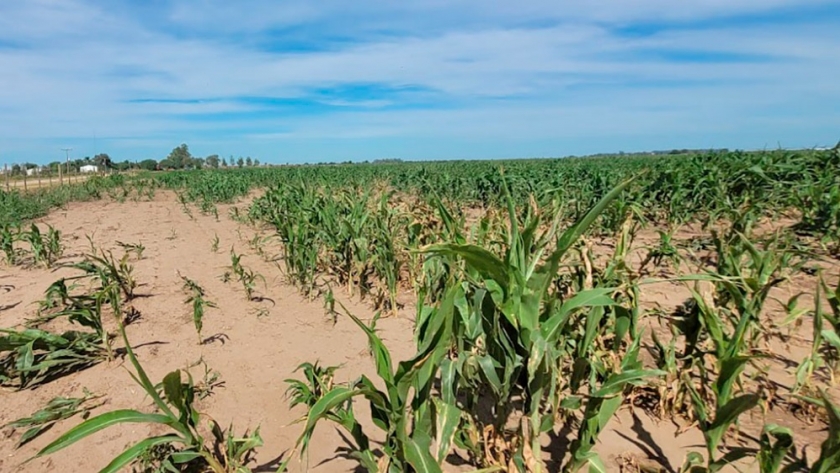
(328, 80)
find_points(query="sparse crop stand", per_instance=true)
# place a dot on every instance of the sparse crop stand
(522, 316)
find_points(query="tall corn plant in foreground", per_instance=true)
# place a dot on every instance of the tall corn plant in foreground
(497, 330)
(184, 446)
(510, 340)
(730, 321)
(407, 413)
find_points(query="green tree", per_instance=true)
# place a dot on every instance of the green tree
(212, 161)
(148, 164)
(179, 158)
(224, 163)
(256, 162)
(240, 162)
(248, 162)
(103, 160)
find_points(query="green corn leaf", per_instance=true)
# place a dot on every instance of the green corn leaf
(448, 418)
(130, 455)
(447, 381)
(324, 406)
(573, 233)
(588, 298)
(831, 337)
(173, 390)
(417, 454)
(774, 445)
(184, 456)
(103, 421)
(730, 369)
(615, 384)
(727, 415)
(595, 464)
(489, 369)
(486, 263)
(381, 355)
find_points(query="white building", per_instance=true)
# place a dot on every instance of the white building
(89, 168)
(33, 171)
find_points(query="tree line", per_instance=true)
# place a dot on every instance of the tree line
(179, 158)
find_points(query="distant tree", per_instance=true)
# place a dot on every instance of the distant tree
(179, 158)
(30, 165)
(148, 164)
(256, 162)
(224, 163)
(103, 160)
(15, 169)
(212, 160)
(248, 162)
(197, 163)
(240, 162)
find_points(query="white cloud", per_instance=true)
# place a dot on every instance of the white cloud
(545, 71)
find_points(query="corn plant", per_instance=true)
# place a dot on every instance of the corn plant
(210, 380)
(186, 446)
(832, 334)
(57, 409)
(45, 249)
(246, 276)
(731, 353)
(329, 305)
(825, 344)
(602, 404)
(510, 328)
(184, 201)
(196, 297)
(829, 459)
(83, 309)
(136, 248)
(775, 444)
(214, 244)
(9, 235)
(666, 250)
(403, 411)
(115, 275)
(89, 237)
(31, 357)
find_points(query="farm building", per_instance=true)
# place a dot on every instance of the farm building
(89, 168)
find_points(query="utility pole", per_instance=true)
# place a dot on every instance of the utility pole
(67, 155)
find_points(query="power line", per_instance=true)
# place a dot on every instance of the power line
(67, 154)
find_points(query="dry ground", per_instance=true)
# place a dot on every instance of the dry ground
(257, 345)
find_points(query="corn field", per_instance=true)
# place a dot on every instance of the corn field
(527, 282)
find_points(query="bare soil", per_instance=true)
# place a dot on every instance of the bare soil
(256, 345)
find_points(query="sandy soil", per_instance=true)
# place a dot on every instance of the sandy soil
(255, 346)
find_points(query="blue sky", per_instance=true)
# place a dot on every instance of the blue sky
(302, 81)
